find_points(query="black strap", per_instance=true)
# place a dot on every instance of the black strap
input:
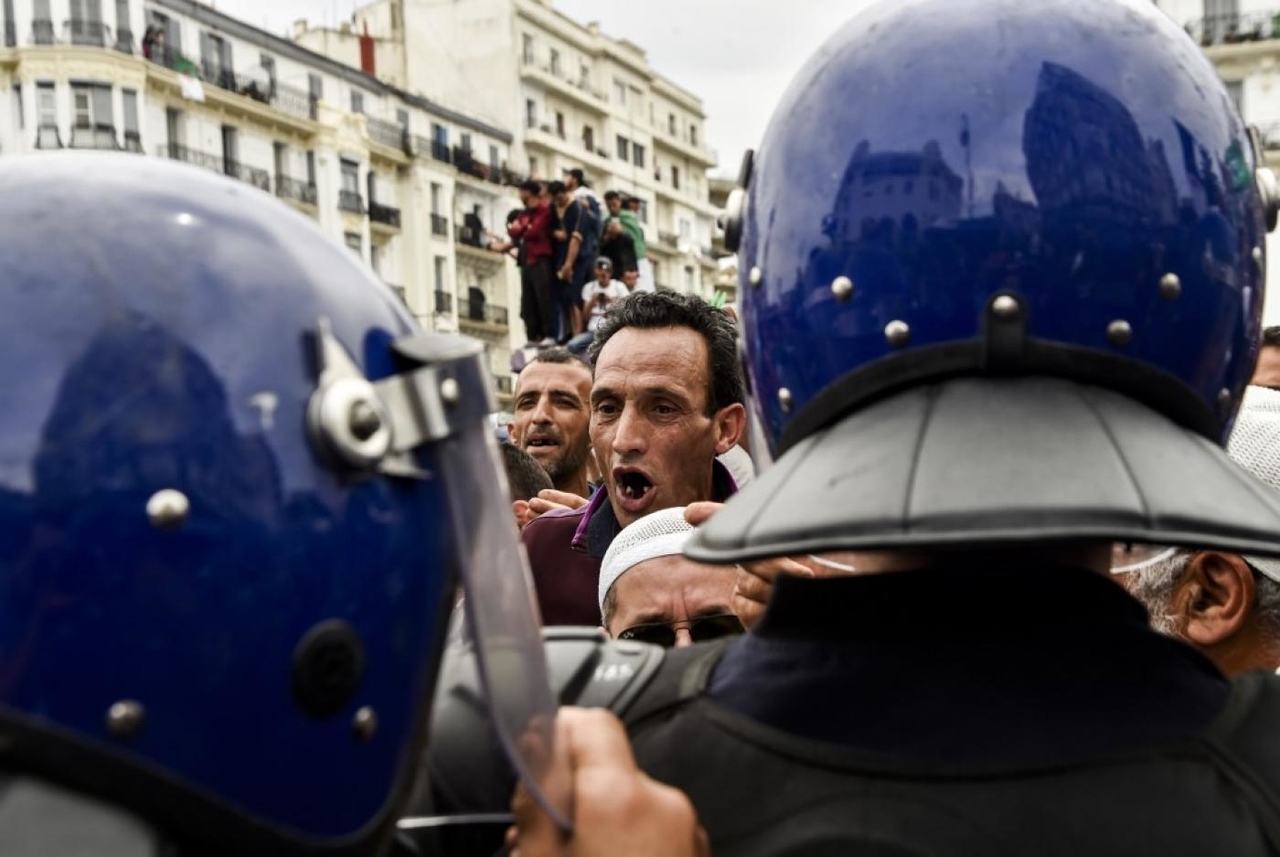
(680, 677)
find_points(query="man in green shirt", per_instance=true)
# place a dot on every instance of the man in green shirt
(623, 240)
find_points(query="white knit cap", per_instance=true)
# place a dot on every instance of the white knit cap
(1255, 446)
(659, 534)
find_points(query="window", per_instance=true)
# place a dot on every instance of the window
(173, 129)
(436, 190)
(526, 49)
(354, 241)
(350, 176)
(693, 135)
(644, 211)
(675, 177)
(671, 124)
(533, 167)
(1235, 89)
(439, 135)
(530, 113)
(357, 101)
(464, 142)
(315, 88)
(91, 105)
(215, 57)
(132, 134)
(17, 107)
(42, 23)
(584, 76)
(402, 119)
(686, 228)
(637, 154)
(124, 31)
(10, 25)
(690, 284)
(620, 92)
(375, 258)
(624, 148)
(268, 64)
(279, 157)
(495, 162)
(559, 124)
(555, 61)
(439, 273)
(86, 23)
(230, 150)
(311, 168)
(588, 138)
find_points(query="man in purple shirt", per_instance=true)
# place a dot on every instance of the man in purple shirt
(666, 399)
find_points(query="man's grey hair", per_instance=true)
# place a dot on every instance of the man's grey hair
(1154, 586)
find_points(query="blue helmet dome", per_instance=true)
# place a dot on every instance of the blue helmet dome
(200, 614)
(1081, 159)
(1002, 262)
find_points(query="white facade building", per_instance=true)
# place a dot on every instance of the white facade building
(1242, 38)
(349, 150)
(576, 97)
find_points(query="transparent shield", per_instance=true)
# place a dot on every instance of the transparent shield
(502, 613)
(1127, 557)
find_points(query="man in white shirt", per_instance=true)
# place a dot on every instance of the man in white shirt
(597, 296)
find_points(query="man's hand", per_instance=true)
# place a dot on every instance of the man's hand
(549, 499)
(565, 272)
(617, 810)
(754, 583)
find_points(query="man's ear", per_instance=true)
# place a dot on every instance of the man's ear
(730, 423)
(511, 434)
(1215, 598)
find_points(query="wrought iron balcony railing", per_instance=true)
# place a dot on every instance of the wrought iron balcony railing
(349, 200)
(291, 188)
(387, 133)
(133, 142)
(85, 32)
(444, 302)
(48, 137)
(386, 214)
(439, 224)
(286, 99)
(42, 31)
(475, 310)
(178, 152)
(100, 136)
(1235, 28)
(260, 179)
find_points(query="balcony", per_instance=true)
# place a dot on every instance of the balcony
(42, 31)
(1234, 29)
(178, 152)
(577, 90)
(100, 136)
(260, 179)
(439, 224)
(124, 41)
(93, 34)
(470, 237)
(48, 137)
(695, 152)
(435, 148)
(468, 165)
(443, 302)
(133, 142)
(477, 312)
(385, 215)
(350, 201)
(296, 190)
(286, 99)
(387, 133)
(505, 385)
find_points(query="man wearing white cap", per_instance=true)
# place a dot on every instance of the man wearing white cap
(650, 592)
(1225, 604)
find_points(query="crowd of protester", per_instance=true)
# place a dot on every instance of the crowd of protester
(577, 254)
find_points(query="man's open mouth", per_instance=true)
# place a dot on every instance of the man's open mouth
(633, 485)
(541, 443)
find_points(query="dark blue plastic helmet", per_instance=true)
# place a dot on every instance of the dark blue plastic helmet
(236, 488)
(1030, 237)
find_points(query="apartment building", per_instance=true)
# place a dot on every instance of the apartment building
(576, 97)
(369, 162)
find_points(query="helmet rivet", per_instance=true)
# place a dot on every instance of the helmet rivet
(449, 391)
(755, 277)
(842, 288)
(784, 399)
(1170, 287)
(1119, 332)
(1005, 306)
(364, 420)
(364, 725)
(125, 718)
(1260, 260)
(167, 509)
(897, 333)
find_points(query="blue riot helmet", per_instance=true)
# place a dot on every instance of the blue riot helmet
(1002, 273)
(238, 487)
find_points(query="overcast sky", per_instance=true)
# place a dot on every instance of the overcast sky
(738, 55)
